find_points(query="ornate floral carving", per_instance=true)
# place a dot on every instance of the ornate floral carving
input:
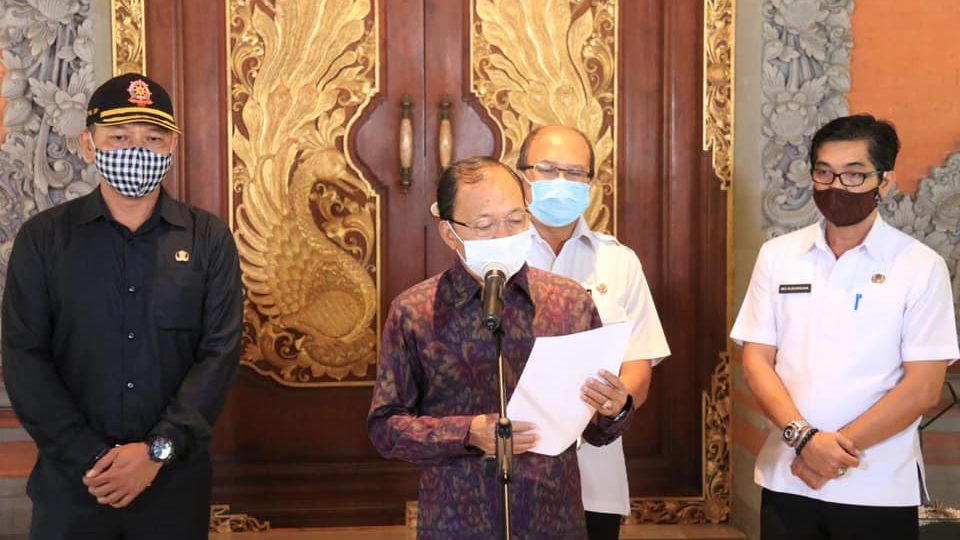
(222, 521)
(128, 36)
(806, 55)
(541, 62)
(932, 215)
(714, 505)
(718, 68)
(306, 220)
(48, 54)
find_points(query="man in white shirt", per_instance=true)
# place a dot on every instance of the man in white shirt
(847, 330)
(558, 164)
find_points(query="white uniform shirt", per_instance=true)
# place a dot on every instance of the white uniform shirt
(841, 347)
(614, 277)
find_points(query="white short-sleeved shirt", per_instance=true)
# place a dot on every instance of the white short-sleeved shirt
(614, 277)
(843, 329)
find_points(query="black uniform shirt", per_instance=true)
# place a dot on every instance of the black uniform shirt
(110, 336)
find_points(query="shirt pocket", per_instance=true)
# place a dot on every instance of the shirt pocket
(879, 315)
(180, 300)
(609, 309)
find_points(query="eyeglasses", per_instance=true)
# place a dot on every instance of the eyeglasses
(549, 171)
(847, 178)
(486, 227)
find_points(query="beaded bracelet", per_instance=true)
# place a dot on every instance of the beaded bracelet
(806, 438)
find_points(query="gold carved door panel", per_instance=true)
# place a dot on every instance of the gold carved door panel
(307, 219)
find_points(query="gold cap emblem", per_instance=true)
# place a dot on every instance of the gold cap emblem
(878, 278)
(182, 256)
(140, 93)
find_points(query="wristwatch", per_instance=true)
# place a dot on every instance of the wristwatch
(791, 433)
(160, 449)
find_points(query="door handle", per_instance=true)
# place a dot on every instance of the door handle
(445, 139)
(406, 144)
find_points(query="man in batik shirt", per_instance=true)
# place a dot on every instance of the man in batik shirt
(436, 390)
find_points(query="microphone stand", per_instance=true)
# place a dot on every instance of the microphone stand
(504, 435)
(502, 463)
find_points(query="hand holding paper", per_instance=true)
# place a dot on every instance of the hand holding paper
(548, 392)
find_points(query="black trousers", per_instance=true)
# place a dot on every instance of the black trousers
(784, 516)
(603, 526)
(176, 506)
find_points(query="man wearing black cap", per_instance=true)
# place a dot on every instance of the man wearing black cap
(122, 317)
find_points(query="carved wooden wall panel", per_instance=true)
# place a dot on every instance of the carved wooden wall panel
(306, 220)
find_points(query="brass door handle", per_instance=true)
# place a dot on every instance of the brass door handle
(406, 144)
(445, 139)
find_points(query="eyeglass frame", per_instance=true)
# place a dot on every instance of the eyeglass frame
(496, 222)
(839, 176)
(565, 171)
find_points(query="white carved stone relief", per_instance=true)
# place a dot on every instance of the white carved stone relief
(805, 78)
(48, 54)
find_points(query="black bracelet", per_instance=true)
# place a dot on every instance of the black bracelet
(806, 438)
(627, 407)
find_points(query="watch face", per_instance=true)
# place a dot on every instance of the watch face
(789, 432)
(161, 449)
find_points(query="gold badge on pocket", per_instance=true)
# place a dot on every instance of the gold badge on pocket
(182, 256)
(878, 278)
(602, 289)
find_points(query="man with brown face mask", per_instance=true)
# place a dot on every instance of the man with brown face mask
(847, 330)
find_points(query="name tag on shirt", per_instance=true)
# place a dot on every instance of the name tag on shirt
(792, 288)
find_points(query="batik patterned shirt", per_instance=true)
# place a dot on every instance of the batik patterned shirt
(438, 369)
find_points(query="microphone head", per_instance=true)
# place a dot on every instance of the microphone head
(494, 266)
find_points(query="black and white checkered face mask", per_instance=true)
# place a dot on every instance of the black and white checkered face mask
(133, 172)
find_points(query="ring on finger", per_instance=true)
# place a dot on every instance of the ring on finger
(607, 405)
(841, 471)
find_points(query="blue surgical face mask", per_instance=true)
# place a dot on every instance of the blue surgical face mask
(558, 202)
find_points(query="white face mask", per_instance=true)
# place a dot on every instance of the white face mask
(510, 252)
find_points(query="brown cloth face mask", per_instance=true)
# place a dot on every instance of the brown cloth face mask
(844, 208)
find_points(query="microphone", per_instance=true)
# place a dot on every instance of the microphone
(494, 278)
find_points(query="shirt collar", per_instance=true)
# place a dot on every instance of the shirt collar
(466, 287)
(92, 206)
(171, 210)
(877, 243)
(581, 232)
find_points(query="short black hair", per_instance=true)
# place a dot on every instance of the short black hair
(468, 170)
(525, 148)
(883, 145)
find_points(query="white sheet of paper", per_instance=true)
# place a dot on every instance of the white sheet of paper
(548, 392)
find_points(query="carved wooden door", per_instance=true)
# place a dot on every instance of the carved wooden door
(293, 111)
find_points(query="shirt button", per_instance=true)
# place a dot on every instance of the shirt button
(132, 289)
(131, 386)
(131, 335)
